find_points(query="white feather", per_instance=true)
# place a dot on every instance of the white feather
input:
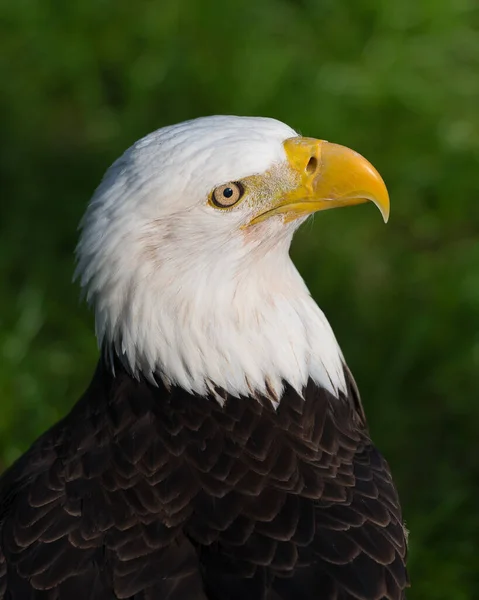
(180, 291)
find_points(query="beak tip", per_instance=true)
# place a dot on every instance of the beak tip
(385, 209)
(381, 200)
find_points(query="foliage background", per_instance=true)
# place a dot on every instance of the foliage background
(398, 81)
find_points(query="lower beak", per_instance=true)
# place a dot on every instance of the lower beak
(328, 176)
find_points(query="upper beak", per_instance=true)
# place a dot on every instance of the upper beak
(328, 176)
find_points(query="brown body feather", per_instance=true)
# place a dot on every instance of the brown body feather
(145, 493)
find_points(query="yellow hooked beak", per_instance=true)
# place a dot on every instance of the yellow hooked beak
(328, 176)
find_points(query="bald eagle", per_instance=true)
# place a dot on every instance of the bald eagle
(221, 450)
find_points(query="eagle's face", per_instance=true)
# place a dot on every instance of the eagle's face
(184, 253)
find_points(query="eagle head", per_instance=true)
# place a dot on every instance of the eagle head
(184, 254)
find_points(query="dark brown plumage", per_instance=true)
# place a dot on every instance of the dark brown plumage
(142, 493)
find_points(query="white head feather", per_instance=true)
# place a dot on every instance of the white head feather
(180, 291)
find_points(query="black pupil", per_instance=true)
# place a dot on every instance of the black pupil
(227, 192)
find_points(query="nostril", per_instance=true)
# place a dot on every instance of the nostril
(311, 166)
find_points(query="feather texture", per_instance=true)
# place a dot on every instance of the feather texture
(145, 493)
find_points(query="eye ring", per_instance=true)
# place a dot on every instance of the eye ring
(227, 195)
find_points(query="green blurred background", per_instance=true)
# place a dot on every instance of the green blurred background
(398, 81)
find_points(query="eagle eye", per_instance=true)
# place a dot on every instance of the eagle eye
(227, 195)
